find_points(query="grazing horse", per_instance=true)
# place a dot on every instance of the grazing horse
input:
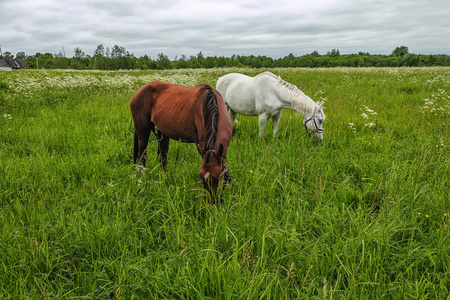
(265, 95)
(187, 114)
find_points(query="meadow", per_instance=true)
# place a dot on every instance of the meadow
(363, 216)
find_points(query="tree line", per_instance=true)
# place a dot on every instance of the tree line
(118, 58)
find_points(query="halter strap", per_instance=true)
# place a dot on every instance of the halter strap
(315, 124)
(227, 177)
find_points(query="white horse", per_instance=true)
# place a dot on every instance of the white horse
(265, 95)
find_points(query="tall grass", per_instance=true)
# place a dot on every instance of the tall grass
(365, 215)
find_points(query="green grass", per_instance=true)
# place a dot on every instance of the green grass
(368, 210)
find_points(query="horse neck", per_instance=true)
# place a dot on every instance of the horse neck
(295, 99)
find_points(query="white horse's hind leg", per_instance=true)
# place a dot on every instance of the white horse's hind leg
(275, 121)
(232, 114)
(262, 124)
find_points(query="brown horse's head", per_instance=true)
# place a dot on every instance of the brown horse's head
(214, 171)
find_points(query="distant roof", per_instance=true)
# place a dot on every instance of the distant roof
(13, 63)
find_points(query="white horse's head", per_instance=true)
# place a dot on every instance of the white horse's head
(313, 123)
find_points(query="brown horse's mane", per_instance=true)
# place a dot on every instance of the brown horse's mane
(211, 115)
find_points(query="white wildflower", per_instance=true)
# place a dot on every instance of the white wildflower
(364, 116)
(370, 111)
(438, 105)
(372, 124)
(351, 125)
(319, 93)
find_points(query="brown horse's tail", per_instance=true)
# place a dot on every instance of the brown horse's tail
(211, 115)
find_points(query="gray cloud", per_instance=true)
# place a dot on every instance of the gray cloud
(251, 27)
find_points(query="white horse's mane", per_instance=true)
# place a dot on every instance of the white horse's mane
(300, 101)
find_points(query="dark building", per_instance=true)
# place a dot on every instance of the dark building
(12, 64)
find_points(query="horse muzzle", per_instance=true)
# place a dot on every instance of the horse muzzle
(318, 135)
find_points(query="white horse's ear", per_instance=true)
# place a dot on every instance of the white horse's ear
(320, 104)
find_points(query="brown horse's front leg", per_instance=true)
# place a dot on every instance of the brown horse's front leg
(163, 148)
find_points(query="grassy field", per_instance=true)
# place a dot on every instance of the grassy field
(364, 216)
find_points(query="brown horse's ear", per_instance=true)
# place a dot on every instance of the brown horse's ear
(220, 151)
(200, 150)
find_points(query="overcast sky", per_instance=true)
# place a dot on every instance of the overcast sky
(225, 27)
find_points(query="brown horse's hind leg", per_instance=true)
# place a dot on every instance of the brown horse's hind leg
(141, 137)
(136, 148)
(140, 154)
(163, 148)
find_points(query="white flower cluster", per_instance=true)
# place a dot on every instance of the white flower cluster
(440, 78)
(7, 116)
(67, 81)
(96, 80)
(439, 104)
(366, 116)
(320, 94)
(352, 127)
(370, 111)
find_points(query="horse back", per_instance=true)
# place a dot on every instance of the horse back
(173, 109)
(245, 94)
(176, 110)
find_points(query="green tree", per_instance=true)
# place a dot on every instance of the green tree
(7, 55)
(44, 61)
(333, 53)
(60, 61)
(118, 52)
(145, 62)
(100, 50)
(400, 51)
(163, 62)
(21, 55)
(98, 60)
(79, 55)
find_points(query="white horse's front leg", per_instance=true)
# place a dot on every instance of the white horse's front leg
(275, 121)
(262, 124)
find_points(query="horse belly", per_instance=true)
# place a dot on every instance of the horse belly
(184, 135)
(242, 103)
(176, 127)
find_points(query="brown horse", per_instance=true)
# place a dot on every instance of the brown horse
(187, 114)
